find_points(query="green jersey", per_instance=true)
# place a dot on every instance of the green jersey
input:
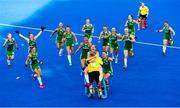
(32, 43)
(85, 50)
(69, 39)
(60, 33)
(107, 68)
(128, 45)
(105, 40)
(10, 43)
(131, 28)
(34, 61)
(10, 46)
(167, 33)
(113, 40)
(88, 30)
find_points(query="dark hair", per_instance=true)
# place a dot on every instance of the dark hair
(67, 26)
(105, 25)
(166, 22)
(104, 52)
(29, 33)
(93, 45)
(86, 36)
(131, 15)
(31, 47)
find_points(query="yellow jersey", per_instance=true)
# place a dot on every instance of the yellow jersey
(144, 10)
(95, 65)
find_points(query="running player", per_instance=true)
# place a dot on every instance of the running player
(60, 38)
(10, 48)
(70, 37)
(107, 68)
(143, 14)
(32, 39)
(130, 25)
(85, 46)
(88, 29)
(105, 35)
(37, 73)
(128, 46)
(114, 44)
(168, 39)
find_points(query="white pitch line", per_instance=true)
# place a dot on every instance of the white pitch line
(32, 28)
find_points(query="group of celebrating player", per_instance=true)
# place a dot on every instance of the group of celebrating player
(93, 66)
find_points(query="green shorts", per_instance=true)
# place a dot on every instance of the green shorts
(59, 40)
(9, 52)
(34, 66)
(69, 44)
(114, 46)
(131, 32)
(105, 71)
(84, 56)
(105, 43)
(168, 37)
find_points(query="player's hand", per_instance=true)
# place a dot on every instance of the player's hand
(40, 62)
(76, 43)
(157, 30)
(43, 28)
(17, 32)
(26, 65)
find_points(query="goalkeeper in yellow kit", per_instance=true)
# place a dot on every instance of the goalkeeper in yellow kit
(143, 14)
(93, 70)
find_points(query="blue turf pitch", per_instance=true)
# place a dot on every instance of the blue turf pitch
(151, 79)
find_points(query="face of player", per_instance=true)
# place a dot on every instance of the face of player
(129, 17)
(87, 21)
(9, 36)
(86, 40)
(31, 36)
(113, 30)
(105, 28)
(93, 48)
(166, 24)
(142, 4)
(68, 29)
(104, 55)
(126, 31)
(33, 50)
(60, 25)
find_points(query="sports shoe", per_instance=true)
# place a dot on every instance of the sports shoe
(87, 84)
(125, 68)
(35, 78)
(42, 86)
(164, 54)
(116, 60)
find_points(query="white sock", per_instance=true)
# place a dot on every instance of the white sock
(35, 75)
(40, 80)
(86, 77)
(125, 62)
(8, 62)
(100, 78)
(164, 49)
(90, 89)
(117, 56)
(112, 55)
(61, 50)
(69, 59)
